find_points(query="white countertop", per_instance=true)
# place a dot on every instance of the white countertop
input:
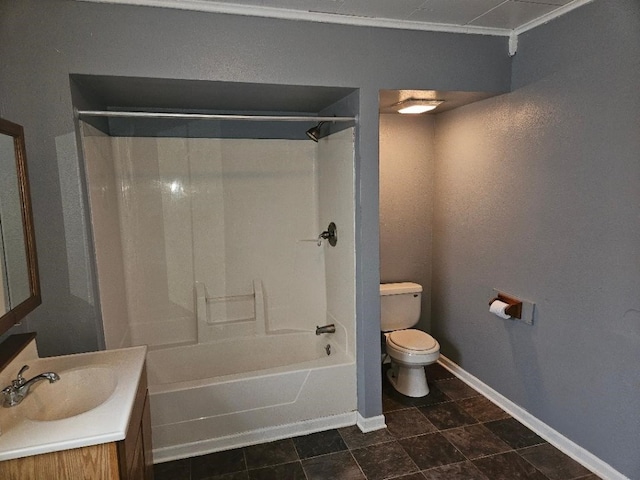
(22, 437)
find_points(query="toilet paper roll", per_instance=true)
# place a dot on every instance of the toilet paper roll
(498, 308)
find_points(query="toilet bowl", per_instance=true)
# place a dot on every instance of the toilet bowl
(410, 350)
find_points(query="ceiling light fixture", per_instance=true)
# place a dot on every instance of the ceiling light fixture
(415, 105)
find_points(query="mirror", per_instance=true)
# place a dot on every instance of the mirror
(19, 285)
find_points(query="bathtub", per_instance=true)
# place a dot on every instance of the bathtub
(220, 395)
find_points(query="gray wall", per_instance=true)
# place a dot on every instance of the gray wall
(43, 41)
(538, 193)
(406, 203)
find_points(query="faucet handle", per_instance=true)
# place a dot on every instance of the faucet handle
(331, 234)
(20, 380)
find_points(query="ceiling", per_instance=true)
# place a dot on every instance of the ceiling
(493, 17)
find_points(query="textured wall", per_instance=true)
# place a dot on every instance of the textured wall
(406, 203)
(43, 41)
(537, 192)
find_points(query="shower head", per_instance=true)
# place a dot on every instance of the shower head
(314, 132)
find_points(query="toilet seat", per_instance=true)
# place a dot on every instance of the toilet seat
(410, 351)
(412, 342)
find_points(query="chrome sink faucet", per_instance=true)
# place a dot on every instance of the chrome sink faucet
(15, 393)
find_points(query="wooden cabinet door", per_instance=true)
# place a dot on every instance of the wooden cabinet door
(97, 462)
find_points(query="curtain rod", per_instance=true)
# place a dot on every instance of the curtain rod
(211, 116)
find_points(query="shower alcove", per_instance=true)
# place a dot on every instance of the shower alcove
(205, 225)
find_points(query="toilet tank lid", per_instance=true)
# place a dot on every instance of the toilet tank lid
(399, 288)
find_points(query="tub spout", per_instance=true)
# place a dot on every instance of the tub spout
(331, 328)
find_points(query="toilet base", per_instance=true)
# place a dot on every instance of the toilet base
(409, 381)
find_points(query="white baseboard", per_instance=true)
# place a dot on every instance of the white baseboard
(253, 437)
(562, 443)
(370, 424)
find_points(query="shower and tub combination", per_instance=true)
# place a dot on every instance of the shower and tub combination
(222, 255)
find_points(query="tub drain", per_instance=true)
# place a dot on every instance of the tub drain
(328, 349)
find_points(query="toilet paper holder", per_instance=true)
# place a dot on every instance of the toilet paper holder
(514, 310)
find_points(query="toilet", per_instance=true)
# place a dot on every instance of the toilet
(410, 350)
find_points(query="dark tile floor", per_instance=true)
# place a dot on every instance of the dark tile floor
(451, 434)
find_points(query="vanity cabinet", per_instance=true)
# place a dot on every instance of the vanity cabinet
(128, 459)
(135, 461)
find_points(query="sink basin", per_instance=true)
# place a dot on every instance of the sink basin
(90, 404)
(78, 391)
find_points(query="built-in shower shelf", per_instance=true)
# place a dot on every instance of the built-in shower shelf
(217, 312)
(231, 309)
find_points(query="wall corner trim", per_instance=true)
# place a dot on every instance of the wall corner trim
(562, 443)
(513, 43)
(370, 424)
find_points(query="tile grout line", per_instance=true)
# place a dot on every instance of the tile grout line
(351, 453)
(359, 466)
(456, 463)
(244, 457)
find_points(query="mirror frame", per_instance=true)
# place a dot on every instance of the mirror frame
(21, 310)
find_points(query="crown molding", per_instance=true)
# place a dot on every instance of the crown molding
(336, 18)
(550, 16)
(288, 14)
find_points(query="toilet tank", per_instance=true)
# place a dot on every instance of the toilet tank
(399, 305)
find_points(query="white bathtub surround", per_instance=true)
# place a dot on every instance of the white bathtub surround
(174, 329)
(555, 438)
(340, 336)
(224, 398)
(336, 187)
(249, 219)
(170, 212)
(103, 192)
(214, 269)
